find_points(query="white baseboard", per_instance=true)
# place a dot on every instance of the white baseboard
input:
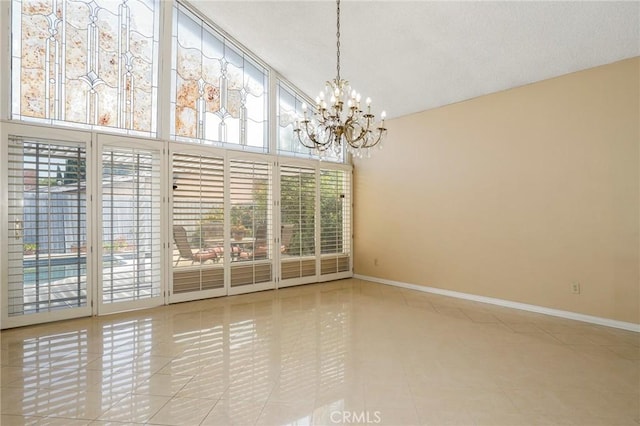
(508, 304)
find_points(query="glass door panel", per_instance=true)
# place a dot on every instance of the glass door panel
(251, 218)
(198, 250)
(130, 210)
(47, 246)
(297, 229)
(335, 223)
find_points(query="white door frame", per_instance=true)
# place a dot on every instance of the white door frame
(58, 136)
(127, 142)
(182, 148)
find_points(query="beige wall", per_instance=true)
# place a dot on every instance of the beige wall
(514, 195)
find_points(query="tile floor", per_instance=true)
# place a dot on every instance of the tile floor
(345, 352)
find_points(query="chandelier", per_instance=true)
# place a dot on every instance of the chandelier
(341, 121)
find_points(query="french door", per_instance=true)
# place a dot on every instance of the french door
(199, 250)
(334, 191)
(221, 225)
(100, 223)
(298, 195)
(48, 264)
(252, 224)
(129, 212)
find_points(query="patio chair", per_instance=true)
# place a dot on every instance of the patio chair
(213, 233)
(186, 252)
(258, 249)
(261, 245)
(286, 233)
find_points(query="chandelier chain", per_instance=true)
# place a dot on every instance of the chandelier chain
(338, 40)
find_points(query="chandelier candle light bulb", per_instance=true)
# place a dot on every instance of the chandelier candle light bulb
(332, 129)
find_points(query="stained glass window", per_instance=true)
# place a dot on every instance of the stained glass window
(219, 94)
(90, 62)
(289, 110)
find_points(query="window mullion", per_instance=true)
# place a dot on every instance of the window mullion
(273, 112)
(5, 60)
(165, 50)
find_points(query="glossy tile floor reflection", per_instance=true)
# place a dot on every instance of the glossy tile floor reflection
(346, 352)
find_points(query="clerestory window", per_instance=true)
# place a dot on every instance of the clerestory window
(219, 94)
(290, 110)
(90, 63)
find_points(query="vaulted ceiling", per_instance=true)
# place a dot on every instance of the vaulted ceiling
(409, 56)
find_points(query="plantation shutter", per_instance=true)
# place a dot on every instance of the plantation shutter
(297, 217)
(131, 244)
(251, 222)
(47, 260)
(335, 221)
(198, 214)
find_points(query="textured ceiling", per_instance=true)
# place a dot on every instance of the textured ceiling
(413, 56)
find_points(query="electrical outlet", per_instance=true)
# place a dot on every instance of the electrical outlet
(375, 262)
(575, 287)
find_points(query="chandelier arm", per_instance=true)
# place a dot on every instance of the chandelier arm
(373, 140)
(363, 131)
(312, 136)
(381, 132)
(298, 132)
(325, 144)
(367, 142)
(354, 142)
(301, 140)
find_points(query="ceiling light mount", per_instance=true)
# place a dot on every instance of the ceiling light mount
(341, 121)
